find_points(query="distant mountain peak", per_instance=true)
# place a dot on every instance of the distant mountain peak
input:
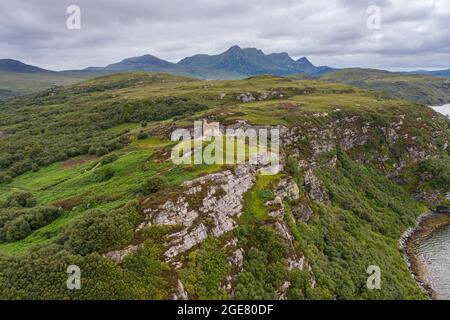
(11, 65)
(304, 61)
(234, 48)
(146, 62)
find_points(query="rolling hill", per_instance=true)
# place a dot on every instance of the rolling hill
(437, 73)
(423, 89)
(14, 84)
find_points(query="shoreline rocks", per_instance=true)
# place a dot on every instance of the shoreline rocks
(426, 224)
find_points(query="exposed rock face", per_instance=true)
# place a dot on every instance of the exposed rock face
(180, 293)
(302, 212)
(259, 96)
(245, 97)
(236, 262)
(205, 206)
(119, 255)
(389, 140)
(183, 241)
(287, 189)
(314, 187)
(282, 291)
(432, 197)
(174, 213)
(296, 264)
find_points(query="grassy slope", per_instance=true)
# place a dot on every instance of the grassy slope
(76, 188)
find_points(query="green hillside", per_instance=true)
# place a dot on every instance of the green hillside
(86, 179)
(418, 88)
(16, 84)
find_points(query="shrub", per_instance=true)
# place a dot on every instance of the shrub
(42, 216)
(5, 178)
(142, 135)
(21, 199)
(108, 159)
(16, 229)
(153, 185)
(101, 151)
(102, 175)
(92, 151)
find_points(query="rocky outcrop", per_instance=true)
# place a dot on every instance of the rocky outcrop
(314, 187)
(206, 206)
(180, 293)
(119, 255)
(236, 263)
(287, 189)
(283, 290)
(302, 212)
(245, 97)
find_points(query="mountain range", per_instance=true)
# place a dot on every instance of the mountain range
(234, 63)
(427, 87)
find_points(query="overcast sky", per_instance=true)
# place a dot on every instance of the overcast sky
(414, 33)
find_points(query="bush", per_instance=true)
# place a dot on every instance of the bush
(5, 178)
(142, 135)
(101, 151)
(16, 229)
(21, 199)
(108, 159)
(102, 175)
(153, 185)
(42, 216)
(92, 151)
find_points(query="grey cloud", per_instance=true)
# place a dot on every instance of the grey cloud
(414, 33)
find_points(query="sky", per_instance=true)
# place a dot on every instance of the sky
(412, 34)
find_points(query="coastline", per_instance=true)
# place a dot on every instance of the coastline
(426, 224)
